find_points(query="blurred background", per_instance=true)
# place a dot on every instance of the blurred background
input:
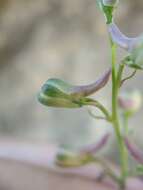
(61, 39)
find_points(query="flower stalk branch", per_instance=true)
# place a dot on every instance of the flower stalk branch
(102, 108)
(116, 79)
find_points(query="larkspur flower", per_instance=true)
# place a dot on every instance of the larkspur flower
(134, 46)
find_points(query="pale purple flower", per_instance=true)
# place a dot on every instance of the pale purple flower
(127, 43)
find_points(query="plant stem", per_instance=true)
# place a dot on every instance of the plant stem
(115, 118)
(119, 74)
(98, 105)
(107, 169)
(125, 124)
(129, 77)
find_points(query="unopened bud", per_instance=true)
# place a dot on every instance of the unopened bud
(69, 159)
(130, 101)
(58, 93)
(108, 7)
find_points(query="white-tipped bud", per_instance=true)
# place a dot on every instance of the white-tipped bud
(110, 2)
(130, 101)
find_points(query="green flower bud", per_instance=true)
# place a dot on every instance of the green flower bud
(70, 159)
(130, 101)
(57, 93)
(108, 6)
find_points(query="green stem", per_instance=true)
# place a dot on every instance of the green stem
(108, 171)
(129, 77)
(119, 75)
(98, 105)
(125, 123)
(96, 116)
(115, 118)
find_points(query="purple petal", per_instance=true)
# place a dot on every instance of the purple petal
(92, 88)
(94, 148)
(136, 153)
(120, 39)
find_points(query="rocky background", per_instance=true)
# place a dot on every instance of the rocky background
(57, 38)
